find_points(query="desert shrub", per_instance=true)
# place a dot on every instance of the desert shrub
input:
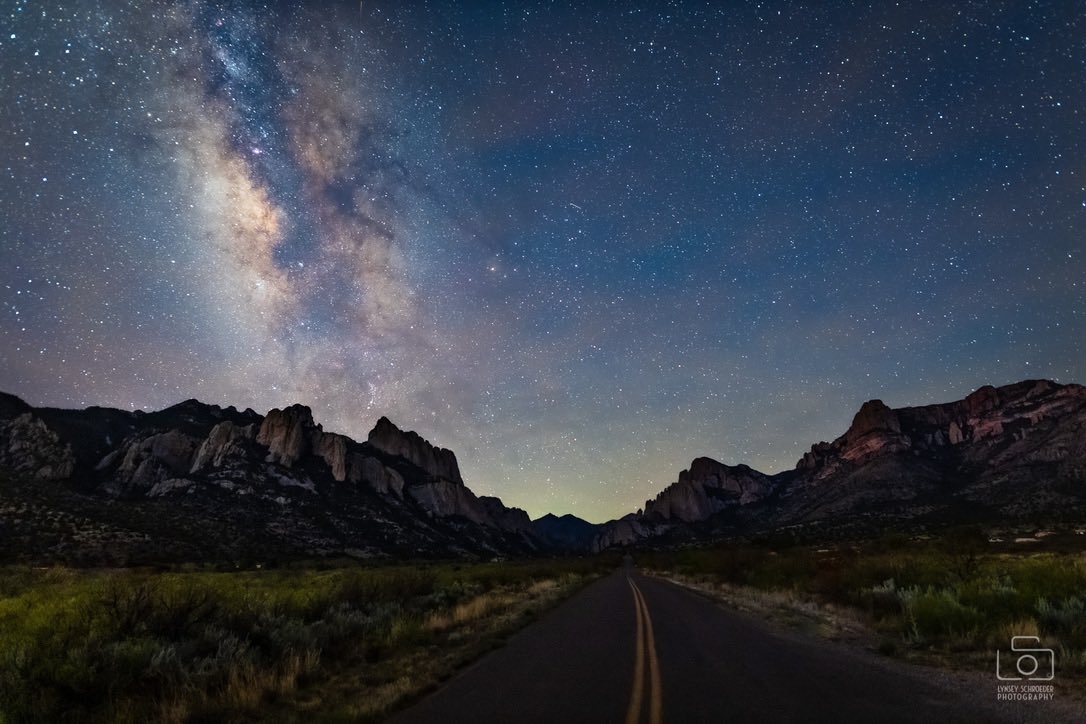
(364, 587)
(126, 604)
(738, 565)
(179, 611)
(1052, 577)
(199, 644)
(996, 598)
(933, 613)
(791, 570)
(881, 600)
(452, 593)
(1065, 620)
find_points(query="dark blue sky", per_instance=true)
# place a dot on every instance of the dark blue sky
(578, 245)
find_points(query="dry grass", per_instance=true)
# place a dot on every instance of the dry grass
(247, 686)
(333, 643)
(446, 641)
(789, 607)
(469, 611)
(246, 689)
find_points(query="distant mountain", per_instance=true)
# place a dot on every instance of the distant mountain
(199, 482)
(1001, 455)
(565, 533)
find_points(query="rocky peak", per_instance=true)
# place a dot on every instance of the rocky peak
(625, 531)
(287, 434)
(224, 441)
(875, 431)
(513, 520)
(874, 416)
(813, 459)
(144, 461)
(704, 469)
(981, 401)
(1013, 450)
(333, 449)
(438, 462)
(988, 414)
(192, 481)
(708, 487)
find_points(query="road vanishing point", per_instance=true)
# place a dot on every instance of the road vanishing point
(637, 649)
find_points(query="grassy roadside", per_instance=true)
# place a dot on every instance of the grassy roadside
(326, 644)
(948, 603)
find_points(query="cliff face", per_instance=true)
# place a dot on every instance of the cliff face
(513, 520)
(441, 490)
(138, 465)
(990, 421)
(288, 434)
(444, 498)
(1005, 453)
(240, 483)
(623, 532)
(708, 487)
(273, 482)
(438, 463)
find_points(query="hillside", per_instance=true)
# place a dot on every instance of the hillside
(200, 482)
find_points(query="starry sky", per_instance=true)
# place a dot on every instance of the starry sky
(578, 243)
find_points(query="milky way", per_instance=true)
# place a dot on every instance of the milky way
(578, 246)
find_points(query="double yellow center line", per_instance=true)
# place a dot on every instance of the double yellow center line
(646, 649)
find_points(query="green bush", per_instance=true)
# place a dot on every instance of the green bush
(97, 646)
(1065, 620)
(933, 613)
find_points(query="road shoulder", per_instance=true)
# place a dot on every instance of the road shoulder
(842, 631)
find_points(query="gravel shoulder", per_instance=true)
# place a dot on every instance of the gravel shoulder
(840, 630)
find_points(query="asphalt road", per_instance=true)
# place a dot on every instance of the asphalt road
(637, 650)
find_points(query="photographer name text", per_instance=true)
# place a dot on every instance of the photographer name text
(1025, 692)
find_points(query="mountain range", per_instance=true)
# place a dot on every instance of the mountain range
(1008, 455)
(200, 482)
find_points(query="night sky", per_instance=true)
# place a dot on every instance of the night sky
(579, 246)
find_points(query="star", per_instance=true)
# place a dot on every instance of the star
(579, 246)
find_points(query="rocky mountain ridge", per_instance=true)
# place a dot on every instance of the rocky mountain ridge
(197, 481)
(1009, 453)
(276, 484)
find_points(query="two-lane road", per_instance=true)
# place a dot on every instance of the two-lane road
(634, 649)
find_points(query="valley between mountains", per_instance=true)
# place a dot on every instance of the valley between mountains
(198, 482)
(201, 563)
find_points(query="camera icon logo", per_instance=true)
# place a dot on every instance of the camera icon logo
(1033, 663)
